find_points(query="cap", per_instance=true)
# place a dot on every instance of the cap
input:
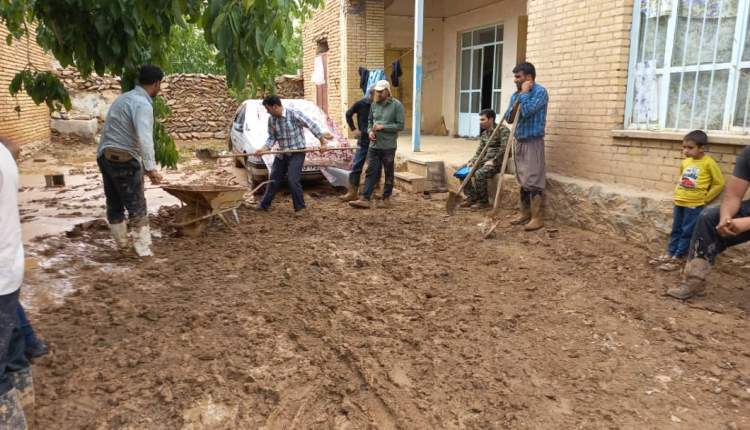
(382, 85)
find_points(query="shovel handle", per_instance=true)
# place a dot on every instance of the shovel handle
(293, 151)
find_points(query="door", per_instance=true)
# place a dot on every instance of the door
(321, 91)
(480, 77)
(403, 91)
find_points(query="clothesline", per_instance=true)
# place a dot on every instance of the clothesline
(399, 58)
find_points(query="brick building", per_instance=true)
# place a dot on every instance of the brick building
(33, 123)
(626, 79)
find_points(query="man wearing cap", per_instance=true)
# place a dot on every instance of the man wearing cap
(386, 120)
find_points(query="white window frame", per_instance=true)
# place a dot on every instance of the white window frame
(734, 66)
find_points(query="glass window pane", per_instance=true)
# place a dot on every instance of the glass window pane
(742, 109)
(653, 38)
(697, 106)
(475, 40)
(465, 69)
(499, 34)
(498, 67)
(466, 40)
(693, 39)
(475, 99)
(487, 35)
(464, 103)
(476, 80)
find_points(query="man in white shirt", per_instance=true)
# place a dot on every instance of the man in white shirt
(15, 370)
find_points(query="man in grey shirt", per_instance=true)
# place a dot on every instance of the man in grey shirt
(126, 153)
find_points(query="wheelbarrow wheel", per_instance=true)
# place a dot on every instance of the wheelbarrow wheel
(187, 213)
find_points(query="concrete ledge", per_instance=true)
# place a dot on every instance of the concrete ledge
(676, 136)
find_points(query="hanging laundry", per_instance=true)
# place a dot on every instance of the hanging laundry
(318, 75)
(375, 76)
(396, 72)
(364, 74)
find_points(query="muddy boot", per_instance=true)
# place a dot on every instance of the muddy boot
(351, 194)
(385, 203)
(693, 280)
(481, 206)
(537, 215)
(467, 203)
(120, 234)
(361, 204)
(11, 411)
(142, 241)
(23, 382)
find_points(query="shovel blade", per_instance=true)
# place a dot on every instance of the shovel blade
(452, 203)
(205, 154)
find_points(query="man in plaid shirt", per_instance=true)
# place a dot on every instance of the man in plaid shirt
(285, 126)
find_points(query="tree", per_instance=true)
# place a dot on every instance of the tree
(188, 52)
(117, 36)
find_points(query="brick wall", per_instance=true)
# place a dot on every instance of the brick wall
(33, 124)
(354, 33)
(580, 50)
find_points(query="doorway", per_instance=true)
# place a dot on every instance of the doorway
(480, 76)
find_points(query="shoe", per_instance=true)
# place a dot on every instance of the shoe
(11, 411)
(351, 194)
(385, 203)
(36, 349)
(665, 258)
(523, 218)
(361, 204)
(259, 209)
(537, 215)
(480, 206)
(467, 203)
(693, 281)
(120, 234)
(299, 213)
(672, 265)
(142, 241)
(23, 382)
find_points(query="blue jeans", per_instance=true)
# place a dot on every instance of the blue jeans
(12, 345)
(287, 167)
(379, 159)
(26, 329)
(684, 220)
(358, 163)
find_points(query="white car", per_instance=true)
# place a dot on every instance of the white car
(249, 132)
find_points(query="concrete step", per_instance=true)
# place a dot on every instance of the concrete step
(410, 182)
(432, 171)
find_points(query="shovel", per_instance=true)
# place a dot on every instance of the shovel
(454, 198)
(206, 154)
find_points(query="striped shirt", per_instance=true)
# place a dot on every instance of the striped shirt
(288, 129)
(533, 112)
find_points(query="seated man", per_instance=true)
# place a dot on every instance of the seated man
(716, 230)
(477, 194)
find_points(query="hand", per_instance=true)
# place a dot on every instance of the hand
(323, 145)
(155, 177)
(258, 153)
(372, 136)
(469, 164)
(357, 133)
(490, 163)
(727, 228)
(327, 136)
(526, 86)
(378, 127)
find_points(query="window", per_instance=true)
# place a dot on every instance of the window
(690, 65)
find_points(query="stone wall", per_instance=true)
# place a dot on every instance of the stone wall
(580, 50)
(201, 105)
(32, 125)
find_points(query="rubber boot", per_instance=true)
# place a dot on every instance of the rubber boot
(537, 215)
(351, 194)
(693, 280)
(142, 241)
(11, 411)
(120, 234)
(23, 382)
(361, 204)
(385, 203)
(525, 215)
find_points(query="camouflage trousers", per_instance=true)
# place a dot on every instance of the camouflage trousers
(477, 189)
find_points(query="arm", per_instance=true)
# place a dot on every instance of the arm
(730, 205)
(144, 128)
(717, 182)
(302, 120)
(532, 102)
(271, 136)
(350, 116)
(398, 122)
(496, 150)
(510, 107)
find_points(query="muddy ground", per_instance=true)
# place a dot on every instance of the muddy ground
(395, 318)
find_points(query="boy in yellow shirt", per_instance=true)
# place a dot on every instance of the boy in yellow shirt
(700, 183)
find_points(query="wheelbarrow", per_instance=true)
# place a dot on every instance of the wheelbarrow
(201, 203)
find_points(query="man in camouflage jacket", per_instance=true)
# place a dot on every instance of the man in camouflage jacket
(477, 195)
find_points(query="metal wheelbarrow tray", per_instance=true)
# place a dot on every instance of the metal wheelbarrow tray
(200, 203)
